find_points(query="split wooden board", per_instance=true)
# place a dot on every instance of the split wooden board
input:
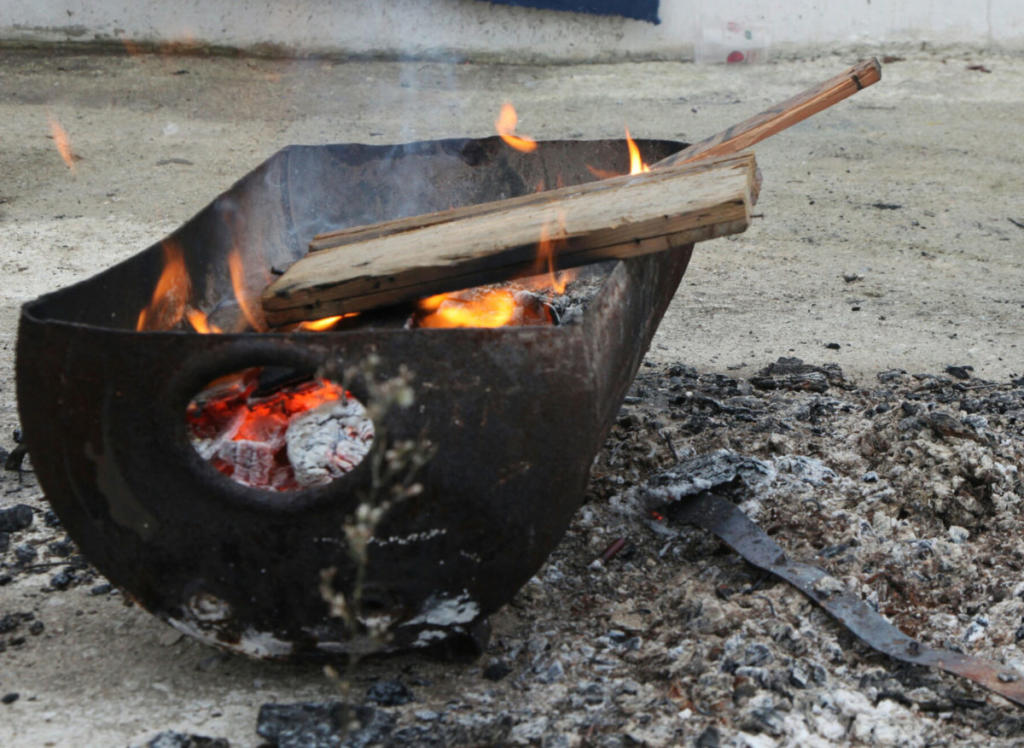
(410, 258)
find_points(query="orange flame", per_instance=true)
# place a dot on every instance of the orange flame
(63, 143)
(199, 321)
(492, 308)
(167, 306)
(251, 312)
(506, 126)
(636, 164)
(324, 323)
(544, 265)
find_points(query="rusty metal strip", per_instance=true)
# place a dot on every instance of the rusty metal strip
(721, 517)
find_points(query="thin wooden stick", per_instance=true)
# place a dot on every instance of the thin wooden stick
(736, 138)
(784, 114)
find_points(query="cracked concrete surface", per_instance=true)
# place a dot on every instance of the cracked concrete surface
(890, 228)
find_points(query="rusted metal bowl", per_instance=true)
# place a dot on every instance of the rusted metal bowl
(516, 414)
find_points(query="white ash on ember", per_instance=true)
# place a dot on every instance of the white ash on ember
(329, 441)
(283, 438)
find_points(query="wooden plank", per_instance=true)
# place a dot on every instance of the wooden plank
(619, 217)
(353, 234)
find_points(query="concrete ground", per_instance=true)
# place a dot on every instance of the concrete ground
(890, 226)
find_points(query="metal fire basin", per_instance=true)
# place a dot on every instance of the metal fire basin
(517, 414)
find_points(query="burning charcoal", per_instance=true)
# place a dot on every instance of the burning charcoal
(328, 442)
(322, 725)
(17, 517)
(171, 739)
(253, 462)
(259, 437)
(389, 693)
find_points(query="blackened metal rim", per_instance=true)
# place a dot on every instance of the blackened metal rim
(305, 335)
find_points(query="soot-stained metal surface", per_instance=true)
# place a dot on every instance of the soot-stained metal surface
(516, 414)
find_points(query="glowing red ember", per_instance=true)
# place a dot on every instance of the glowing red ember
(296, 436)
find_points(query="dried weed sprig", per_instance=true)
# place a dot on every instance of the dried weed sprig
(394, 468)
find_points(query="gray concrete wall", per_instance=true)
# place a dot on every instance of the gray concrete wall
(476, 30)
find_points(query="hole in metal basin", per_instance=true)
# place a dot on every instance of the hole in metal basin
(278, 428)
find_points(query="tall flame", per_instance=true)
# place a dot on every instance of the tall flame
(63, 143)
(636, 164)
(506, 126)
(251, 312)
(544, 266)
(199, 321)
(170, 297)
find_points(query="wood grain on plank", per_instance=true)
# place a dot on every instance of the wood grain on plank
(415, 257)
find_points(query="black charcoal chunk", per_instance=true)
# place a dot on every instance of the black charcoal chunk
(15, 518)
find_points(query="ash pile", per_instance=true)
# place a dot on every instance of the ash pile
(640, 630)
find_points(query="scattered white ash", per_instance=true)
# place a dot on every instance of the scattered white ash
(908, 492)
